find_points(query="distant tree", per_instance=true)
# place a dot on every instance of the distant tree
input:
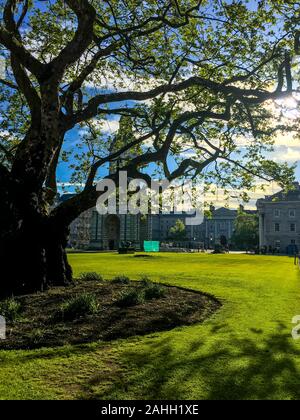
(178, 231)
(246, 233)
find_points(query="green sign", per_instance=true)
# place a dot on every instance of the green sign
(151, 246)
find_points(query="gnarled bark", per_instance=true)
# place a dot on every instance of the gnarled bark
(32, 246)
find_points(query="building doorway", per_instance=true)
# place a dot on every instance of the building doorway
(112, 227)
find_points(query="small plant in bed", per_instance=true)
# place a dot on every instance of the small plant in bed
(154, 291)
(90, 277)
(11, 309)
(131, 298)
(79, 306)
(121, 280)
(145, 281)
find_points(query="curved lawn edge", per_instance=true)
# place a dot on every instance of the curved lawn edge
(109, 311)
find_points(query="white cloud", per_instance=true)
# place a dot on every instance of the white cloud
(286, 154)
(110, 127)
(107, 127)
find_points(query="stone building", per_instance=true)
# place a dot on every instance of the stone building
(279, 220)
(161, 225)
(219, 227)
(94, 231)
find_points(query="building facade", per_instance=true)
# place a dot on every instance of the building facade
(279, 220)
(110, 232)
(94, 231)
(218, 228)
(161, 225)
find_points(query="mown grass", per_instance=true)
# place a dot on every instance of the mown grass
(245, 351)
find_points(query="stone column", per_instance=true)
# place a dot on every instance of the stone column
(261, 230)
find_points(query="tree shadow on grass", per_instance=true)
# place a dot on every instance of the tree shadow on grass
(47, 353)
(258, 367)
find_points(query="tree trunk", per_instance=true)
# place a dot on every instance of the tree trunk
(23, 258)
(59, 271)
(32, 261)
(32, 247)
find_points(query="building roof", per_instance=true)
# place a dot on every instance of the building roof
(291, 195)
(224, 211)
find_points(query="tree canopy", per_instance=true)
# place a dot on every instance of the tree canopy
(178, 231)
(246, 231)
(194, 77)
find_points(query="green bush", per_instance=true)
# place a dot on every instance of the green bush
(10, 309)
(90, 277)
(78, 306)
(154, 291)
(145, 281)
(131, 298)
(121, 280)
(36, 336)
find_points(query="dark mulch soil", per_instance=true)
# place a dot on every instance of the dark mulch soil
(39, 325)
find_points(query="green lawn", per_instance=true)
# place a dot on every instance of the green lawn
(244, 351)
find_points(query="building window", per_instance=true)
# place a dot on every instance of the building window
(277, 244)
(277, 227)
(293, 242)
(277, 213)
(293, 227)
(292, 213)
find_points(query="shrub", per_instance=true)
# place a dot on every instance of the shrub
(36, 336)
(78, 306)
(154, 291)
(121, 280)
(131, 298)
(145, 281)
(10, 309)
(90, 277)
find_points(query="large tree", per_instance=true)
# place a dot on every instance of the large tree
(178, 231)
(246, 231)
(193, 76)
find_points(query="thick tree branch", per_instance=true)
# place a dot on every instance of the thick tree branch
(9, 84)
(251, 96)
(11, 39)
(26, 87)
(111, 157)
(23, 14)
(83, 37)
